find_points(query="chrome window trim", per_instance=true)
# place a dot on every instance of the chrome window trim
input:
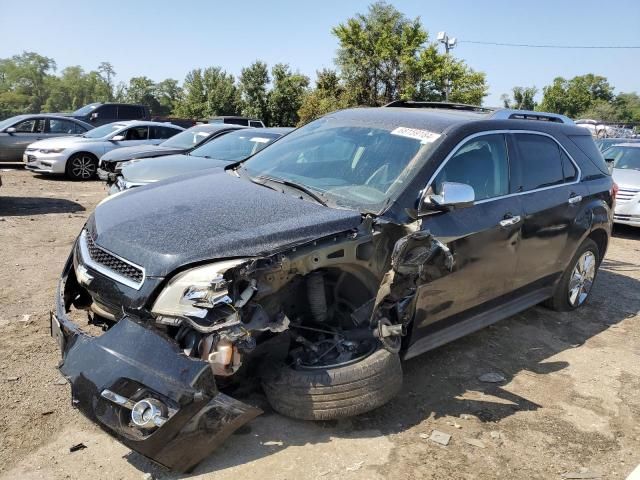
(87, 260)
(462, 142)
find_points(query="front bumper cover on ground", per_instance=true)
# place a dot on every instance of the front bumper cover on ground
(137, 362)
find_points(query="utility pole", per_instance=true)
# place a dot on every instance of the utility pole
(448, 43)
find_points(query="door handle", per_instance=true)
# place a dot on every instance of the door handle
(574, 199)
(507, 222)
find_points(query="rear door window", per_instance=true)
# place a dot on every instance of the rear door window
(137, 133)
(539, 161)
(107, 112)
(129, 112)
(162, 132)
(482, 163)
(255, 124)
(61, 127)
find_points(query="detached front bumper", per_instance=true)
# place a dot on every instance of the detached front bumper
(136, 362)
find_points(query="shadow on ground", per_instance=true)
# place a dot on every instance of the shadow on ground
(25, 206)
(435, 383)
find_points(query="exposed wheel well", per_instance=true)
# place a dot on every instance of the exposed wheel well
(600, 237)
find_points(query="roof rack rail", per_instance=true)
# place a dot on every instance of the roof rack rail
(442, 105)
(512, 114)
(494, 113)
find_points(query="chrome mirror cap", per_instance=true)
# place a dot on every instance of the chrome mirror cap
(452, 195)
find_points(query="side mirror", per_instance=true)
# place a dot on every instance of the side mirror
(10, 130)
(452, 195)
(117, 138)
(93, 116)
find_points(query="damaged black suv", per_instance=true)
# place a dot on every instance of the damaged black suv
(312, 268)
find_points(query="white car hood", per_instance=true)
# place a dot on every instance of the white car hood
(63, 142)
(626, 177)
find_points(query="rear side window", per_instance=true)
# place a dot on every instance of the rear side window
(568, 168)
(137, 133)
(589, 148)
(107, 112)
(481, 163)
(62, 126)
(129, 112)
(540, 162)
(162, 132)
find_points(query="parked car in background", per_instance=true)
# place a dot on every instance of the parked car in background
(625, 159)
(605, 143)
(108, 166)
(313, 267)
(235, 120)
(77, 157)
(102, 113)
(218, 153)
(16, 133)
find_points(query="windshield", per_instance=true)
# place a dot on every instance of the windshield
(236, 145)
(356, 166)
(103, 131)
(86, 110)
(187, 139)
(625, 158)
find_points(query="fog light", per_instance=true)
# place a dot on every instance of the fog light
(149, 413)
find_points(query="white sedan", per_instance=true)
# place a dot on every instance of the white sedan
(77, 157)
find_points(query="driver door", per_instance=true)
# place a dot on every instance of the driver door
(483, 238)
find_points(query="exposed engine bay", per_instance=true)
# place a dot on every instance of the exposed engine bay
(312, 308)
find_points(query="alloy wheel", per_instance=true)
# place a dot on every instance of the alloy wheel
(582, 278)
(83, 167)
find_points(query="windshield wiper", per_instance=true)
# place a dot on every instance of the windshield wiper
(296, 186)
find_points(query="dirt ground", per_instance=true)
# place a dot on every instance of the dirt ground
(569, 406)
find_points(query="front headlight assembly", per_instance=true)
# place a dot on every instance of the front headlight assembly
(195, 292)
(51, 150)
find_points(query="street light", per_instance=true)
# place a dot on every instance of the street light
(448, 43)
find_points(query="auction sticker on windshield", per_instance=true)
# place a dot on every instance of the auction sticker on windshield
(259, 140)
(425, 136)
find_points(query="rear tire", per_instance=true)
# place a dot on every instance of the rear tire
(574, 287)
(326, 394)
(82, 166)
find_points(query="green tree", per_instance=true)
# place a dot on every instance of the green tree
(168, 94)
(192, 104)
(222, 95)
(142, 90)
(108, 74)
(628, 106)
(523, 98)
(577, 95)
(384, 56)
(24, 83)
(327, 96)
(286, 97)
(254, 82)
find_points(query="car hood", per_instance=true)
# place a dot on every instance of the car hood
(63, 142)
(164, 226)
(154, 169)
(141, 151)
(625, 177)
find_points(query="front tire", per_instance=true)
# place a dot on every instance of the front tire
(326, 394)
(82, 166)
(576, 282)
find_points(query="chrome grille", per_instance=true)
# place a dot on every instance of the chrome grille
(113, 263)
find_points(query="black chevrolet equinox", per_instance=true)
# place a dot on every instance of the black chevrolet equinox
(311, 269)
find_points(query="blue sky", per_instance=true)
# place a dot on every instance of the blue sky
(166, 38)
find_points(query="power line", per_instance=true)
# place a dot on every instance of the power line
(528, 45)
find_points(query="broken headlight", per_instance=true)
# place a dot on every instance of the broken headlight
(194, 292)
